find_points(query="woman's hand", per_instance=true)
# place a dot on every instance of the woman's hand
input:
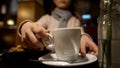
(88, 44)
(28, 34)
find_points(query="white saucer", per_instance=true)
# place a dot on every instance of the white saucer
(51, 59)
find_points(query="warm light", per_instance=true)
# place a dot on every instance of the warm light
(10, 22)
(1, 23)
(24, 14)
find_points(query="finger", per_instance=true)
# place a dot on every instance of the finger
(83, 48)
(93, 47)
(38, 29)
(27, 43)
(38, 45)
(23, 36)
(43, 33)
(94, 53)
(30, 35)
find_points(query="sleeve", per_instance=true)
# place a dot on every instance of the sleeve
(78, 24)
(20, 26)
(43, 21)
(82, 29)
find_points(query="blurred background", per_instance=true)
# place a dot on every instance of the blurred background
(12, 12)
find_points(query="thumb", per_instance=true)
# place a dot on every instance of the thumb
(83, 48)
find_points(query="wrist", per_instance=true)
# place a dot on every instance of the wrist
(21, 25)
(86, 34)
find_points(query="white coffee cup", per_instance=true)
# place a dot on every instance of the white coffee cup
(65, 42)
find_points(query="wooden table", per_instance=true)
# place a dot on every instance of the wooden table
(18, 62)
(31, 64)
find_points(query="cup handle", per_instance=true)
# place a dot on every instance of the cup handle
(49, 44)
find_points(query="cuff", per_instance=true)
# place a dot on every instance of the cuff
(20, 26)
(87, 35)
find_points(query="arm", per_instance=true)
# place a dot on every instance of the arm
(27, 30)
(86, 42)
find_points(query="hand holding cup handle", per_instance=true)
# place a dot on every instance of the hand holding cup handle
(49, 44)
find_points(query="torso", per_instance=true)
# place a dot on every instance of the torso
(50, 22)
